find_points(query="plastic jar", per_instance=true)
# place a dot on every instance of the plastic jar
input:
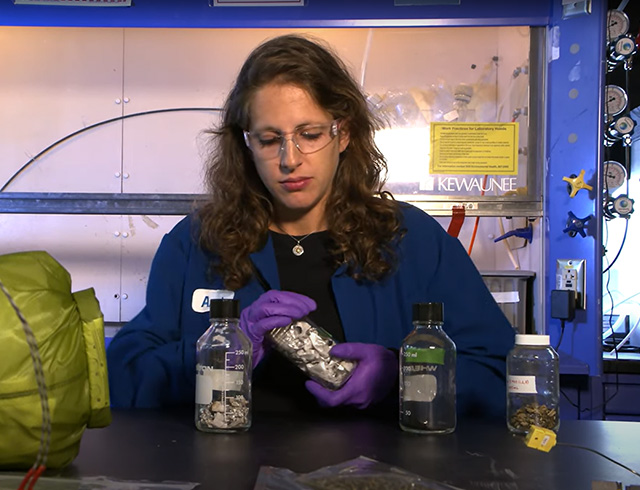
(533, 384)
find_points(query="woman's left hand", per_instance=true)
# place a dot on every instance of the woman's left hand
(371, 380)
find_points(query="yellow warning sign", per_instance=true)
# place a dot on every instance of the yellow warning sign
(474, 148)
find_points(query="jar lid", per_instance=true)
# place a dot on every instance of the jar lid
(224, 308)
(528, 339)
(428, 312)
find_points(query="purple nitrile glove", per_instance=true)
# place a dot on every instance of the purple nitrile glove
(370, 382)
(271, 310)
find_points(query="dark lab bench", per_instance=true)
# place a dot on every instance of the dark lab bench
(164, 445)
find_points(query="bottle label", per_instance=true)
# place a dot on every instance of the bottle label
(419, 388)
(209, 380)
(201, 298)
(521, 384)
(418, 355)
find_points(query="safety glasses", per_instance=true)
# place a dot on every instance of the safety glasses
(308, 139)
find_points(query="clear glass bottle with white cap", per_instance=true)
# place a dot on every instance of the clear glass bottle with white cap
(533, 384)
(223, 372)
(462, 95)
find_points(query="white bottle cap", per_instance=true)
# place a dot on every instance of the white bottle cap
(522, 339)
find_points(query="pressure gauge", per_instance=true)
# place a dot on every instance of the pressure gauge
(623, 125)
(622, 49)
(620, 129)
(623, 205)
(625, 45)
(615, 175)
(615, 99)
(617, 24)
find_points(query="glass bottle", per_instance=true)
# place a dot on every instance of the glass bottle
(223, 372)
(533, 386)
(307, 346)
(428, 374)
(462, 96)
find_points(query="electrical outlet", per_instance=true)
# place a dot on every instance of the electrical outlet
(571, 274)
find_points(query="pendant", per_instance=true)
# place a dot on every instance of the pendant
(297, 250)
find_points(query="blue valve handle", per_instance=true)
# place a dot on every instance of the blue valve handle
(576, 225)
(526, 233)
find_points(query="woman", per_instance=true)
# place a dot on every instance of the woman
(298, 225)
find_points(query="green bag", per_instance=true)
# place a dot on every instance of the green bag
(69, 332)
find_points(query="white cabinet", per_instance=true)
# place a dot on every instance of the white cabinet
(141, 88)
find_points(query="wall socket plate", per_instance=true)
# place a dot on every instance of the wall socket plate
(571, 274)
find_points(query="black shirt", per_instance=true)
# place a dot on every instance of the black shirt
(310, 274)
(277, 383)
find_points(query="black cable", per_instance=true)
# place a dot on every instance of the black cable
(561, 334)
(92, 126)
(609, 213)
(572, 403)
(627, 161)
(600, 454)
(624, 238)
(605, 402)
(604, 405)
(597, 407)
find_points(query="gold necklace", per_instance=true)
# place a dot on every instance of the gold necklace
(297, 249)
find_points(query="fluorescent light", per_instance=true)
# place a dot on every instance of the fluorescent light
(407, 153)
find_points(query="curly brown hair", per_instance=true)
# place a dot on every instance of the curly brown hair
(363, 221)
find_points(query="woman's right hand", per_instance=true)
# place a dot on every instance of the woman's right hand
(271, 310)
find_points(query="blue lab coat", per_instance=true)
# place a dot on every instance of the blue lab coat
(152, 359)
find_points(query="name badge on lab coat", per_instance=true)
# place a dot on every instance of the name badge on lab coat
(201, 298)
